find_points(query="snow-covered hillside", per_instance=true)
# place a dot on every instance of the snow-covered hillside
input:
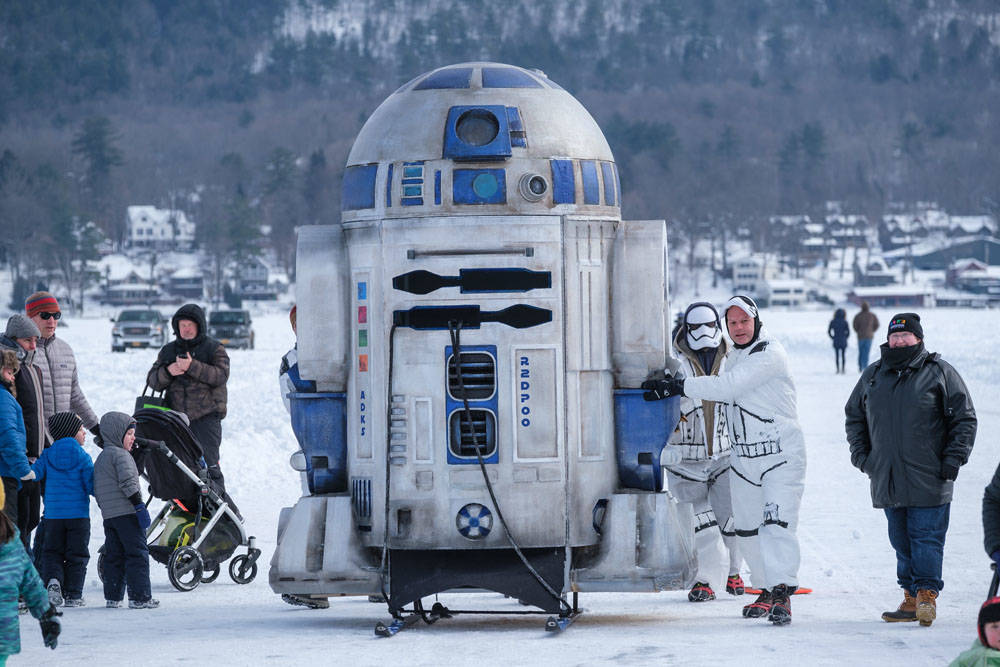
(846, 555)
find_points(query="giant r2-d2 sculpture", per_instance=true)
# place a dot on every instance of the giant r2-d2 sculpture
(477, 329)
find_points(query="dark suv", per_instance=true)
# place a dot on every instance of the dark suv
(138, 328)
(232, 328)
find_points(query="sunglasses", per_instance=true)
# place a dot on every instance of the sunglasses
(50, 316)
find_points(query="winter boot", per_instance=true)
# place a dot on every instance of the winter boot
(55, 593)
(74, 602)
(907, 610)
(306, 601)
(926, 606)
(735, 585)
(143, 604)
(781, 605)
(759, 607)
(701, 592)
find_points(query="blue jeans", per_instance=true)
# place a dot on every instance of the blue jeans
(917, 535)
(864, 347)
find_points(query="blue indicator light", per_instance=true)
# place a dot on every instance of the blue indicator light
(479, 186)
(485, 185)
(588, 170)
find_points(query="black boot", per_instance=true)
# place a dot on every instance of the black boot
(759, 607)
(781, 605)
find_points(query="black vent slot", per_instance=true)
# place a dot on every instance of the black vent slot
(462, 441)
(361, 497)
(479, 376)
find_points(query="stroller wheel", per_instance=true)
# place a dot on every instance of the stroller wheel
(184, 569)
(211, 573)
(242, 569)
(100, 565)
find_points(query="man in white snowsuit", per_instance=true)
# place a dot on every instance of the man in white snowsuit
(699, 450)
(768, 454)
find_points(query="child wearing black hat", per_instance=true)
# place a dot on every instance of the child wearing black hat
(69, 474)
(986, 649)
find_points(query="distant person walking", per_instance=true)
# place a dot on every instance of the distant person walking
(911, 425)
(865, 326)
(839, 332)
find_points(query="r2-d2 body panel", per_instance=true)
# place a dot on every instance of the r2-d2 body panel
(484, 319)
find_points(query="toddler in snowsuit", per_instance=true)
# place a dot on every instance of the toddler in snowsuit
(986, 649)
(70, 475)
(116, 487)
(18, 577)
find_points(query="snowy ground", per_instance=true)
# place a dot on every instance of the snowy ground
(846, 555)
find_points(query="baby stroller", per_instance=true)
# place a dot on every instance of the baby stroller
(199, 526)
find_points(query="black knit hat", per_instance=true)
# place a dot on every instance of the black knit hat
(906, 322)
(64, 425)
(988, 613)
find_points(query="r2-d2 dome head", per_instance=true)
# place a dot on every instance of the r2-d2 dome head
(480, 139)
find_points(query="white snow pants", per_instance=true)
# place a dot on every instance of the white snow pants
(705, 484)
(766, 494)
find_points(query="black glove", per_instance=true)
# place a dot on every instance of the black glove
(659, 389)
(51, 627)
(96, 431)
(949, 472)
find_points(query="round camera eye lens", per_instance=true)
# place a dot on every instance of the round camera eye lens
(477, 127)
(537, 185)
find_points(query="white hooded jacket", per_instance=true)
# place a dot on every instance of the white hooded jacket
(759, 399)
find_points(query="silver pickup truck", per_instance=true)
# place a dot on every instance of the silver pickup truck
(138, 328)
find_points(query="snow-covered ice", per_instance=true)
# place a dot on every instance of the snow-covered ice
(846, 557)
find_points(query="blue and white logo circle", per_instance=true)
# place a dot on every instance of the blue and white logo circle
(474, 521)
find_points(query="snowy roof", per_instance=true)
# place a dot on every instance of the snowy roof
(187, 272)
(789, 220)
(972, 224)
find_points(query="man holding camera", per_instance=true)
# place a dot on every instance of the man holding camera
(193, 370)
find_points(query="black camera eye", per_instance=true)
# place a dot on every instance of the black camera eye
(537, 185)
(477, 127)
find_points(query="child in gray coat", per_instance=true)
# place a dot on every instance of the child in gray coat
(116, 487)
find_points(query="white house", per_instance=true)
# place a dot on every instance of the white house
(790, 292)
(151, 227)
(750, 272)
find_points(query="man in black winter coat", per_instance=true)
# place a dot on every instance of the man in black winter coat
(991, 518)
(193, 370)
(911, 425)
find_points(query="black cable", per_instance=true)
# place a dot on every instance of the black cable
(384, 565)
(455, 328)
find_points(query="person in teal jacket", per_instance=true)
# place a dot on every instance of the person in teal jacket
(18, 577)
(985, 651)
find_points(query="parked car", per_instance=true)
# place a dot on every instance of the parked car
(232, 328)
(138, 328)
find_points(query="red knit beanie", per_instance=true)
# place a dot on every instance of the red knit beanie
(40, 302)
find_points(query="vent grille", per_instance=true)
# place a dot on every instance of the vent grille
(462, 441)
(361, 497)
(479, 375)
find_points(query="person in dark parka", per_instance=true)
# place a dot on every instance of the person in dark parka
(911, 425)
(991, 518)
(194, 369)
(838, 330)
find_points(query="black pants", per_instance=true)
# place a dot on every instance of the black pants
(839, 354)
(29, 508)
(208, 431)
(10, 498)
(126, 559)
(66, 554)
